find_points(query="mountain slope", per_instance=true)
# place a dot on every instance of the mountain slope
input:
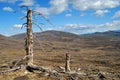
(93, 50)
(103, 39)
(107, 39)
(50, 36)
(6, 42)
(108, 33)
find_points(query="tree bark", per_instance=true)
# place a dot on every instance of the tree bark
(29, 38)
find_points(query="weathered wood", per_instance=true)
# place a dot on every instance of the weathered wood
(29, 38)
(32, 67)
(67, 64)
(50, 72)
(19, 62)
(11, 70)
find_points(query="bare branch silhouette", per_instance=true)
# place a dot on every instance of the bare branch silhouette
(38, 13)
(23, 25)
(38, 26)
(23, 17)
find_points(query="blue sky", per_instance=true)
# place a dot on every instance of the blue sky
(75, 16)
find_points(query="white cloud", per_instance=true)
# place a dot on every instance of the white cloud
(90, 28)
(59, 6)
(82, 14)
(79, 28)
(42, 10)
(94, 4)
(22, 2)
(68, 15)
(27, 3)
(56, 7)
(8, 9)
(17, 26)
(117, 14)
(71, 25)
(113, 24)
(75, 25)
(8, 1)
(101, 12)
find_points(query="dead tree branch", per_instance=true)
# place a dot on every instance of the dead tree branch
(38, 26)
(11, 70)
(38, 13)
(23, 25)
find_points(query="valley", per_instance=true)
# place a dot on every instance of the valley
(88, 52)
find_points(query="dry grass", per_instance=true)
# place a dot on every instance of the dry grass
(86, 58)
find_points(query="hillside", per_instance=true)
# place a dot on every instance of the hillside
(50, 36)
(103, 39)
(108, 34)
(91, 53)
(7, 42)
(109, 39)
(100, 40)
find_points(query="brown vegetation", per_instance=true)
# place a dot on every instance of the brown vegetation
(91, 56)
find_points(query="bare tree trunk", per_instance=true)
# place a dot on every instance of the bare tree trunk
(67, 65)
(29, 38)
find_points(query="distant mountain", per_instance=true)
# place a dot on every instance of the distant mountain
(6, 42)
(50, 35)
(105, 35)
(104, 39)
(61, 36)
(108, 33)
(20, 36)
(98, 39)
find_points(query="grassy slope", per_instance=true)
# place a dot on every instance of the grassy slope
(88, 53)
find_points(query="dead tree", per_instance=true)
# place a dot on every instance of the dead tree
(28, 59)
(67, 64)
(29, 38)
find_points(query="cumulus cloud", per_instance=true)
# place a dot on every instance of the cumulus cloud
(8, 1)
(56, 7)
(22, 2)
(16, 26)
(90, 28)
(76, 26)
(59, 6)
(9, 9)
(113, 24)
(94, 4)
(79, 28)
(27, 3)
(68, 15)
(101, 12)
(42, 10)
(117, 14)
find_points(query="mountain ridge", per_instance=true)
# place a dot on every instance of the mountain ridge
(95, 39)
(50, 35)
(8, 42)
